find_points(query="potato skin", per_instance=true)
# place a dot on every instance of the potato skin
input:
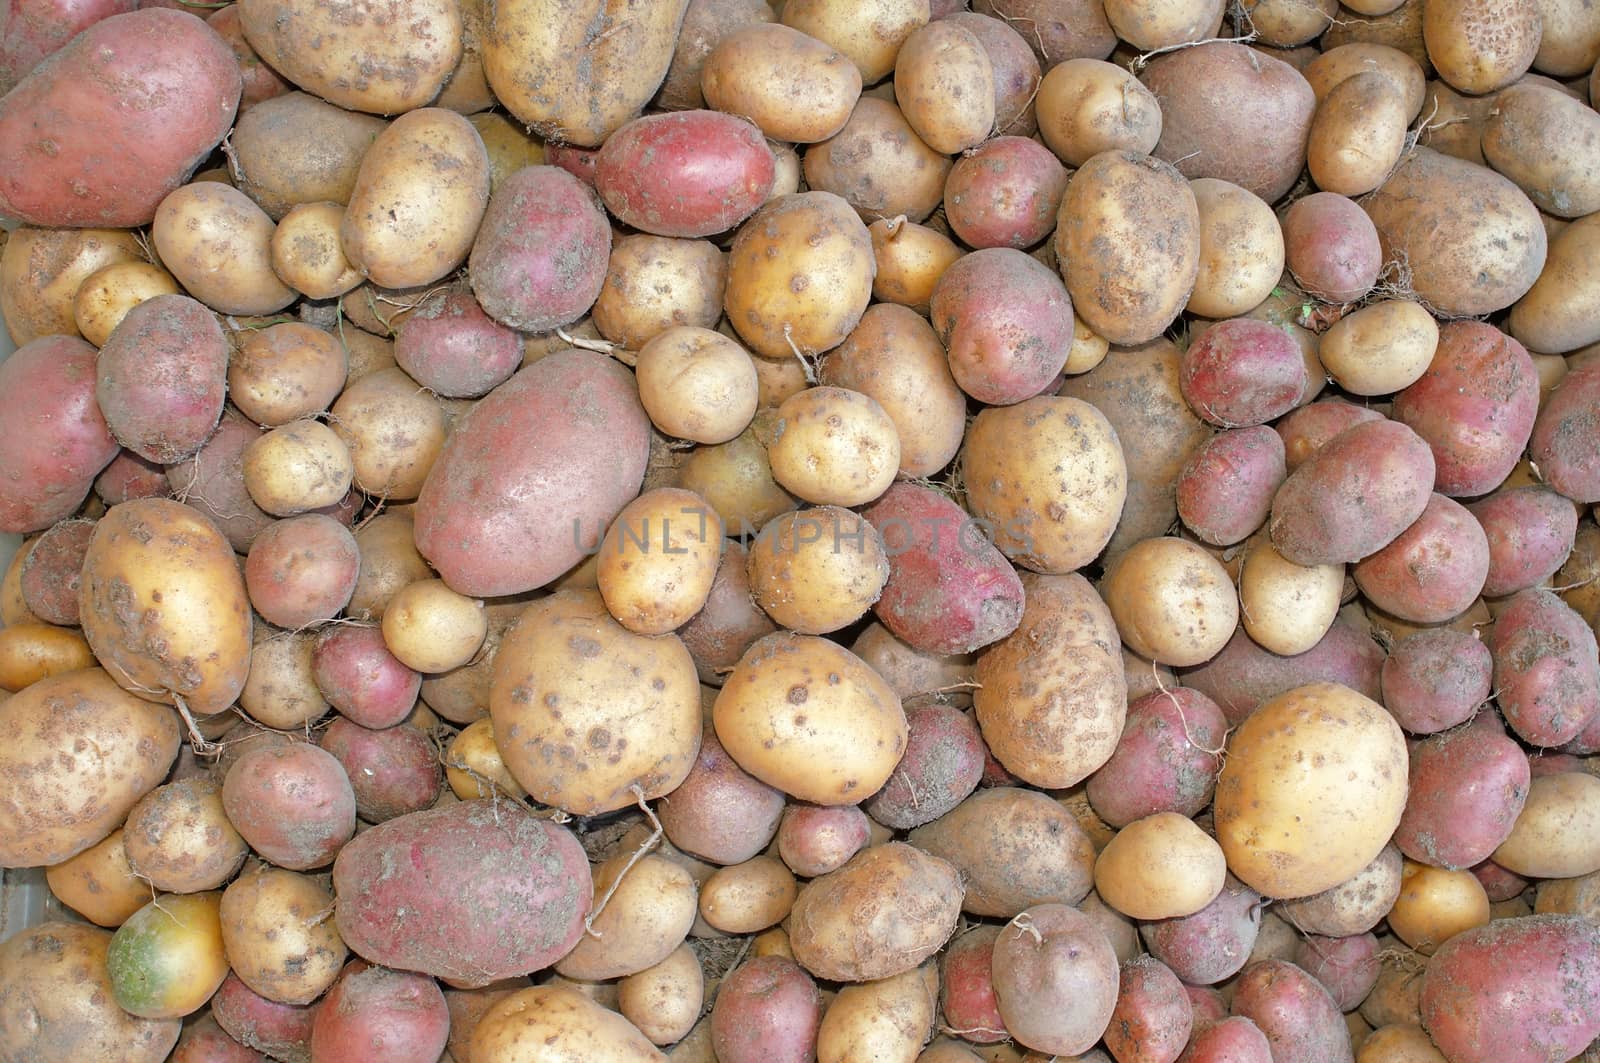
(1225, 489)
(1549, 144)
(218, 243)
(162, 377)
(127, 110)
(298, 148)
(653, 173)
(1554, 316)
(1435, 679)
(1467, 788)
(1434, 570)
(1332, 247)
(393, 1015)
(1006, 323)
(1479, 46)
(1297, 1014)
(560, 1024)
(1242, 372)
(1566, 439)
(1546, 676)
(766, 1009)
(1055, 979)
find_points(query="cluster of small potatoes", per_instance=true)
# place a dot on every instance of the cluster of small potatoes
(748, 532)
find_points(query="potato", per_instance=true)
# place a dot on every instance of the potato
(1087, 106)
(887, 1019)
(1113, 204)
(178, 839)
(1171, 601)
(218, 244)
(1531, 532)
(278, 937)
(397, 1015)
(450, 346)
(704, 24)
(1344, 61)
(1212, 944)
(870, 36)
(1157, 27)
(1552, 316)
(106, 296)
(643, 921)
(664, 1000)
(284, 372)
(30, 652)
(104, 159)
(1265, 784)
(817, 570)
(1479, 46)
(1332, 247)
(431, 628)
(355, 671)
(1225, 489)
(293, 804)
(748, 897)
(1357, 134)
(944, 84)
(98, 884)
(1381, 348)
(54, 446)
(301, 570)
(795, 87)
(1435, 905)
(1347, 967)
(1165, 761)
(720, 812)
(42, 270)
(1258, 106)
(1546, 677)
(1563, 440)
(1009, 349)
(1287, 608)
(1124, 878)
(1553, 836)
(814, 840)
(1153, 1016)
(966, 987)
(878, 164)
(654, 283)
(1434, 570)
(1546, 141)
(1241, 250)
(392, 772)
(1297, 1015)
(130, 476)
(298, 149)
(556, 1022)
(768, 1008)
(1243, 372)
(281, 691)
(910, 259)
(729, 622)
(652, 579)
(167, 959)
(300, 466)
(1055, 978)
(56, 1000)
(834, 446)
(473, 766)
(1436, 679)
(736, 478)
(162, 378)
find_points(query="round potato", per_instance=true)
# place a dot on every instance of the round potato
(1346, 60)
(1087, 106)
(98, 884)
(42, 270)
(1241, 250)
(817, 570)
(795, 87)
(1382, 348)
(281, 691)
(1479, 46)
(1435, 905)
(1160, 25)
(285, 371)
(308, 252)
(279, 934)
(658, 560)
(1173, 602)
(296, 467)
(834, 446)
(218, 244)
(910, 259)
(474, 768)
(879, 164)
(697, 384)
(179, 839)
(1287, 608)
(1160, 867)
(556, 1021)
(106, 295)
(168, 958)
(430, 628)
(1556, 835)
(654, 283)
(1355, 905)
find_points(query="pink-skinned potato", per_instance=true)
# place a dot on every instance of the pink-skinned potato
(966, 986)
(1230, 1040)
(1332, 247)
(1531, 531)
(375, 1013)
(292, 803)
(1346, 966)
(1225, 489)
(533, 474)
(1243, 675)
(53, 445)
(720, 812)
(950, 589)
(1467, 789)
(1546, 675)
(35, 29)
(1212, 944)
(1515, 991)
(1436, 678)
(163, 373)
(1152, 1020)
(1297, 1014)
(686, 173)
(767, 1011)
(1166, 761)
(212, 480)
(1306, 429)
(392, 771)
(1055, 977)
(943, 763)
(281, 1031)
(471, 892)
(1006, 321)
(1434, 570)
(1565, 443)
(1242, 372)
(102, 130)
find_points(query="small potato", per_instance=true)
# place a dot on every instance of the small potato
(1087, 106)
(795, 87)
(300, 466)
(1434, 570)
(1088, 349)
(879, 164)
(1006, 321)
(1554, 314)
(474, 768)
(1289, 23)
(910, 260)
(394, 431)
(1159, 25)
(729, 622)
(431, 628)
(944, 83)
(766, 1009)
(834, 446)
(279, 935)
(1225, 489)
(1164, 761)
(658, 560)
(1287, 608)
(297, 148)
(168, 958)
(1331, 247)
(889, 1018)
(1241, 250)
(1172, 601)
(285, 372)
(218, 244)
(292, 803)
(1381, 348)
(1357, 134)
(647, 917)
(107, 294)
(42, 270)
(1354, 906)
(664, 1000)
(1556, 835)
(814, 840)
(697, 384)
(654, 283)
(179, 839)
(389, 561)
(1479, 46)
(282, 692)
(98, 884)
(163, 378)
(1435, 905)
(748, 897)
(31, 652)
(213, 482)
(1346, 60)
(817, 570)
(1190, 863)
(308, 253)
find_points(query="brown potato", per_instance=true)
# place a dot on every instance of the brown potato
(308, 254)
(1241, 250)
(656, 283)
(791, 85)
(218, 244)
(1479, 46)
(510, 146)
(1554, 315)
(1357, 134)
(107, 294)
(944, 84)
(646, 918)
(659, 559)
(284, 372)
(1289, 23)
(1161, 24)
(297, 148)
(1549, 144)
(736, 479)
(870, 35)
(879, 164)
(278, 931)
(748, 897)
(394, 430)
(41, 271)
(1087, 106)
(300, 466)
(281, 692)
(179, 840)
(834, 446)
(889, 1018)
(1569, 43)
(474, 768)
(389, 561)
(1347, 60)
(98, 884)
(557, 1019)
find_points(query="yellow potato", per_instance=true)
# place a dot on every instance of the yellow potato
(1289, 23)
(1558, 833)
(558, 1023)
(910, 259)
(887, 1019)
(868, 34)
(647, 917)
(297, 148)
(879, 164)
(308, 254)
(664, 1000)
(510, 147)
(834, 446)
(1381, 348)
(654, 283)
(658, 560)
(1556, 315)
(393, 429)
(284, 372)
(791, 85)
(1479, 46)
(473, 766)
(41, 271)
(1548, 143)
(748, 897)
(817, 570)
(107, 294)
(281, 692)
(1435, 905)
(1087, 106)
(1311, 790)
(1241, 250)
(431, 628)
(179, 840)
(1347, 60)
(1152, 24)
(1287, 608)
(279, 934)
(389, 561)
(297, 467)
(218, 244)
(1172, 601)
(1160, 867)
(1357, 134)
(944, 84)
(1399, 1043)
(1569, 43)
(1088, 349)
(30, 652)
(736, 479)
(98, 884)
(697, 384)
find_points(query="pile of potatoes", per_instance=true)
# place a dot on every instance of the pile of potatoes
(843, 530)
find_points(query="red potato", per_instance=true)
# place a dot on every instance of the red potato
(130, 476)
(1435, 679)
(52, 571)
(1212, 944)
(1546, 674)
(54, 445)
(1467, 788)
(292, 803)
(1166, 761)
(485, 890)
(1225, 489)
(1515, 991)
(1347, 967)
(1306, 429)
(1208, 1005)
(1331, 247)
(1296, 1013)
(966, 987)
(1242, 372)
(1531, 531)
(686, 173)
(1055, 978)
(533, 473)
(767, 1011)
(1232, 1040)
(1004, 193)
(1243, 675)
(816, 839)
(950, 590)
(1354, 496)
(212, 481)
(541, 252)
(579, 162)
(392, 771)
(1434, 570)
(281, 1031)
(1006, 322)
(942, 765)
(1565, 443)
(203, 1041)
(1498, 883)
(729, 623)
(99, 133)
(302, 570)
(162, 377)
(720, 812)
(355, 671)
(375, 1013)
(449, 345)
(1475, 406)
(1153, 1017)
(35, 29)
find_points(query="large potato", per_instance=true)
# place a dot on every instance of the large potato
(1128, 236)
(940, 78)
(652, 173)
(575, 71)
(60, 800)
(793, 86)
(557, 1023)
(1549, 144)
(164, 606)
(1357, 134)
(1312, 789)
(218, 244)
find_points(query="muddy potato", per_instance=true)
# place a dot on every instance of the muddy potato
(889, 1018)
(281, 692)
(1546, 142)
(1555, 836)
(834, 446)
(1151, 26)
(1357, 134)
(393, 430)
(284, 372)
(31, 652)
(704, 24)
(664, 1000)
(1287, 608)
(218, 244)
(179, 839)
(1055, 979)
(1191, 866)
(878, 164)
(1241, 250)
(910, 259)
(510, 147)
(98, 884)
(748, 897)
(658, 560)
(41, 271)
(647, 917)
(1289, 23)
(1479, 46)
(944, 84)
(167, 959)
(654, 283)
(557, 1022)
(297, 148)
(1087, 106)
(869, 35)
(697, 384)
(1355, 905)
(107, 294)
(1381, 348)
(795, 87)
(279, 934)
(1435, 905)
(430, 628)
(296, 467)
(1555, 314)
(817, 570)
(308, 253)
(1172, 601)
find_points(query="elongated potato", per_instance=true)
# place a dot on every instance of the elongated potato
(1549, 144)
(1381, 348)
(940, 82)
(218, 244)
(795, 87)
(1557, 314)
(1357, 134)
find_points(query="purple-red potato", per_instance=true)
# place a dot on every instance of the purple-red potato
(1565, 443)
(1242, 372)
(486, 891)
(449, 345)
(1467, 787)
(1498, 883)
(1434, 570)
(942, 765)
(373, 1013)
(1225, 489)
(115, 120)
(1474, 406)
(533, 473)
(1004, 193)
(358, 675)
(1014, 848)
(816, 839)
(1531, 531)
(1354, 496)
(1208, 1004)
(52, 571)
(55, 444)
(1166, 761)
(1243, 675)
(1435, 679)
(1347, 967)
(685, 174)
(392, 771)
(293, 804)
(1305, 430)
(34, 29)
(261, 82)
(966, 987)
(1055, 978)
(1213, 943)
(162, 375)
(730, 621)
(950, 590)
(1331, 247)
(1006, 321)
(1542, 763)
(1259, 107)
(1153, 1016)
(1546, 675)
(1515, 991)
(281, 1031)
(579, 162)
(212, 480)
(1232, 1040)
(767, 1011)
(720, 812)
(541, 253)
(302, 570)
(130, 476)
(203, 1041)
(1296, 1013)
(1056, 30)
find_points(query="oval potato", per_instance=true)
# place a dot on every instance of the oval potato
(1381, 348)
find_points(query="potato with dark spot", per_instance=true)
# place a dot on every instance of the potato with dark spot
(1173, 603)
(720, 812)
(278, 930)
(878, 164)
(833, 446)
(1566, 437)
(817, 570)
(1479, 46)
(1546, 675)
(178, 838)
